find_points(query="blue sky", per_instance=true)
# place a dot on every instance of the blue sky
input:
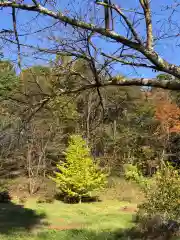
(166, 48)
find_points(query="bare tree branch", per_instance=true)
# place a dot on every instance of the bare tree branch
(122, 9)
(94, 70)
(150, 54)
(6, 31)
(117, 59)
(34, 111)
(16, 35)
(129, 24)
(73, 22)
(147, 13)
(151, 82)
(35, 2)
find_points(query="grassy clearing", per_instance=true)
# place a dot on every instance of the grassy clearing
(105, 220)
(102, 220)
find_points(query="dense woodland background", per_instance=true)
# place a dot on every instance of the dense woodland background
(121, 125)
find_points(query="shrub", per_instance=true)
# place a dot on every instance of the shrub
(163, 197)
(78, 176)
(162, 194)
(132, 173)
(156, 228)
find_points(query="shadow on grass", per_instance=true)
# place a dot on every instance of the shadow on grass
(15, 218)
(85, 199)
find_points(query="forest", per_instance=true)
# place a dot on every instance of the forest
(126, 127)
(90, 120)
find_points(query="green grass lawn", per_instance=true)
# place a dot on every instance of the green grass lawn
(100, 220)
(105, 220)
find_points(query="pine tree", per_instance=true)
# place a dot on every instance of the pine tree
(78, 176)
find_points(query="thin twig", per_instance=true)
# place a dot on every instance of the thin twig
(123, 9)
(35, 2)
(94, 70)
(127, 21)
(117, 59)
(16, 35)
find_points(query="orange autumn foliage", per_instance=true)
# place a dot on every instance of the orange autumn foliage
(169, 116)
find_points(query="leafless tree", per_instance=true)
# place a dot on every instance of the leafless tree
(138, 30)
(36, 159)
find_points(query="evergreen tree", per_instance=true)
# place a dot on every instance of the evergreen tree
(78, 176)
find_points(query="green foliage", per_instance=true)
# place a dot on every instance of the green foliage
(63, 107)
(162, 192)
(8, 78)
(132, 173)
(79, 175)
(163, 198)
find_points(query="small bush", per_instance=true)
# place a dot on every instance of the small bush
(154, 227)
(78, 176)
(132, 173)
(162, 198)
